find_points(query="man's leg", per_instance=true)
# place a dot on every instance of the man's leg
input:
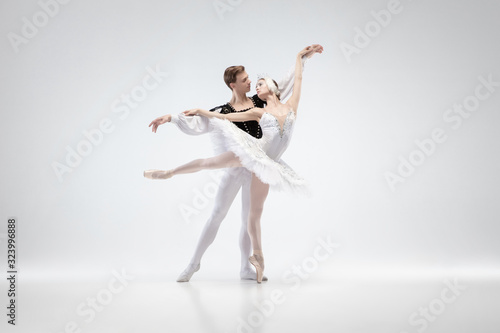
(229, 186)
(246, 271)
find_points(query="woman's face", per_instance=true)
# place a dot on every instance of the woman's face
(262, 89)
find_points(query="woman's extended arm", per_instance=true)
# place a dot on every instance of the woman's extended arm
(285, 85)
(252, 114)
(293, 102)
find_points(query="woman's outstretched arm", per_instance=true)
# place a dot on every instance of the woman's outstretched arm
(293, 102)
(285, 85)
(252, 114)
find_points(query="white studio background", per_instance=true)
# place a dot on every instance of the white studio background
(361, 113)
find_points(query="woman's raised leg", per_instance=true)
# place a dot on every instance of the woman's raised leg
(225, 160)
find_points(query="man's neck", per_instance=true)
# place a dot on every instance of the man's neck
(238, 98)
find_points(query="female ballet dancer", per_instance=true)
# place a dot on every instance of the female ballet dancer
(260, 156)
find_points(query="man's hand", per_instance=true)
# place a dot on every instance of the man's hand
(160, 120)
(311, 50)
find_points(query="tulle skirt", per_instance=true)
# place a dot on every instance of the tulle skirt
(251, 152)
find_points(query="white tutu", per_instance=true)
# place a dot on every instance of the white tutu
(254, 153)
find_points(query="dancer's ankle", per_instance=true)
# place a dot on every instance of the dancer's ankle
(258, 252)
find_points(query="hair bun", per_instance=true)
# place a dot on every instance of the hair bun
(271, 85)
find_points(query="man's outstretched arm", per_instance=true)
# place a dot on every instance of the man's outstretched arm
(191, 125)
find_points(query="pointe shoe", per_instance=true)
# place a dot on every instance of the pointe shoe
(158, 174)
(188, 273)
(258, 262)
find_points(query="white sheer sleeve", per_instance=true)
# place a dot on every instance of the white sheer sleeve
(191, 125)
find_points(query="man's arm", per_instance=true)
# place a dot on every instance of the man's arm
(191, 125)
(188, 125)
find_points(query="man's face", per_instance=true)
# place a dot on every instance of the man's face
(242, 84)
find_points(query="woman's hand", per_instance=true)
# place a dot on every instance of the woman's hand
(304, 51)
(199, 112)
(309, 51)
(160, 120)
(192, 112)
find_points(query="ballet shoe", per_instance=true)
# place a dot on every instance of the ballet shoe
(258, 262)
(188, 273)
(251, 275)
(158, 174)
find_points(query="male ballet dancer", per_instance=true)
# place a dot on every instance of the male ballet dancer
(233, 179)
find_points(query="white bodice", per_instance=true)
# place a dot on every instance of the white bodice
(275, 136)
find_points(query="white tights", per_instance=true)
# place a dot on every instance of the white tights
(258, 195)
